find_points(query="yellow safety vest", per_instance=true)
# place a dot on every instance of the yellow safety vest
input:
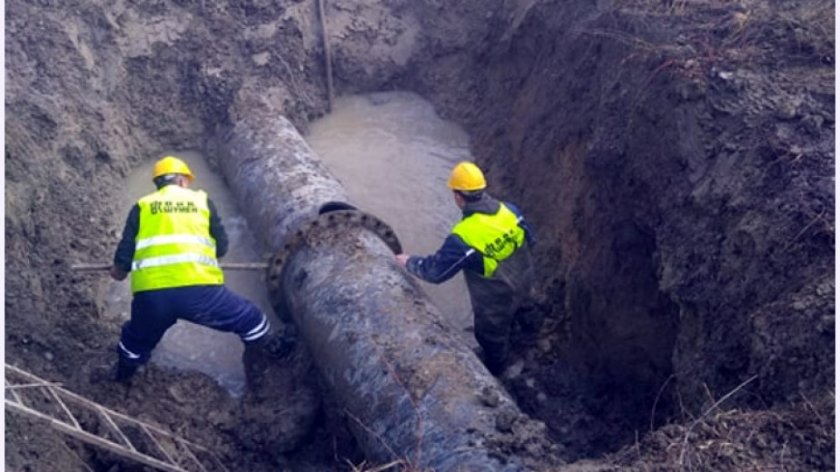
(173, 246)
(496, 237)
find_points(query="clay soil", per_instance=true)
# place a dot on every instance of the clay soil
(676, 159)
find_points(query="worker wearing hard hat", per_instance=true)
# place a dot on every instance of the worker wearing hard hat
(491, 244)
(171, 243)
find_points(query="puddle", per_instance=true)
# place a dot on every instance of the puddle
(393, 154)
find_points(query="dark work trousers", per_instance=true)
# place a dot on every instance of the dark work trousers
(495, 301)
(213, 306)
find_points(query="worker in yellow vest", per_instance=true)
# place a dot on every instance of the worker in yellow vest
(170, 244)
(492, 245)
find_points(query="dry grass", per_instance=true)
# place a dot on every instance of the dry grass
(391, 466)
(711, 30)
(795, 437)
(706, 413)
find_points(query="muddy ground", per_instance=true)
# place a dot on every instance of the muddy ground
(676, 159)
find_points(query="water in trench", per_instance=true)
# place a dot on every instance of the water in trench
(393, 154)
(186, 345)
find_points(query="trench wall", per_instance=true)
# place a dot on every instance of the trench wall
(673, 230)
(677, 164)
(678, 238)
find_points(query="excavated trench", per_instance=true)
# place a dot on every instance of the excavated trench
(679, 194)
(391, 152)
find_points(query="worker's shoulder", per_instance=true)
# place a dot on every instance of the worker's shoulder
(512, 207)
(454, 241)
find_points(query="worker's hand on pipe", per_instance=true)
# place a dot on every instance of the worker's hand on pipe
(117, 273)
(402, 259)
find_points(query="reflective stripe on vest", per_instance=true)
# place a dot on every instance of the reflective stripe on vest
(496, 236)
(173, 246)
(172, 239)
(176, 259)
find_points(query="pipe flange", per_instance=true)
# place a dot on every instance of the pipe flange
(332, 220)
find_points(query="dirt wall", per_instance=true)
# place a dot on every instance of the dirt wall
(677, 162)
(92, 89)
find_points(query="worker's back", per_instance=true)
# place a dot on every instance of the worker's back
(507, 288)
(174, 247)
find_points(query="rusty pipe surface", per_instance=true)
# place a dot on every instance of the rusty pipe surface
(278, 183)
(411, 388)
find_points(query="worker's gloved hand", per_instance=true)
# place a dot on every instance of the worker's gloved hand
(117, 273)
(402, 259)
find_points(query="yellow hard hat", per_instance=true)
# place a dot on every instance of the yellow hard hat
(466, 177)
(171, 165)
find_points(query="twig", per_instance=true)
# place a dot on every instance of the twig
(380, 468)
(29, 385)
(418, 428)
(624, 39)
(322, 16)
(371, 432)
(782, 455)
(709, 410)
(709, 393)
(656, 401)
(811, 407)
(665, 64)
(638, 446)
(683, 411)
(806, 228)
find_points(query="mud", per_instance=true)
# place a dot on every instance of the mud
(676, 160)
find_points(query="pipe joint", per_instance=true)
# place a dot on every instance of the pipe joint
(333, 217)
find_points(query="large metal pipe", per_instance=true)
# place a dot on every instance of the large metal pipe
(279, 184)
(412, 390)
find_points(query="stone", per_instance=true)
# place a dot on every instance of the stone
(787, 110)
(504, 420)
(813, 124)
(489, 397)
(799, 305)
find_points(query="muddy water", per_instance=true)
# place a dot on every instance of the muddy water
(188, 346)
(393, 154)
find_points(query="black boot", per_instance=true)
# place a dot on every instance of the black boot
(280, 343)
(495, 361)
(125, 370)
(530, 318)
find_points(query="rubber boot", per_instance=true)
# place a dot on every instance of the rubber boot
(530, 319)
(495, 364)
(278, 344)
(281, 346)
(125, 370)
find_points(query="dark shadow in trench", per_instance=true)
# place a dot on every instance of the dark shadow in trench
(610, 380)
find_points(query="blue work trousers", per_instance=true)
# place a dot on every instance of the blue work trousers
(213, 306)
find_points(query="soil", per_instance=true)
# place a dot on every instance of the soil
(675, 158)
